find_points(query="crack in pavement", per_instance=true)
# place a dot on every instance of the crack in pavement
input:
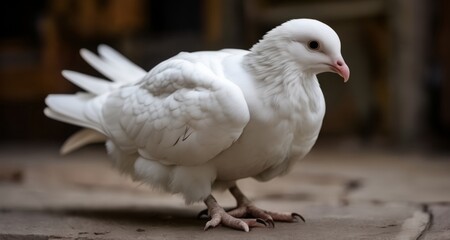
(426, 209)
(415, 227)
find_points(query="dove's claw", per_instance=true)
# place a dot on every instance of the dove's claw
(262, 221)
(234, 218)
(297, 217)
(203, 214)
(246, 208)
(284, 217)
(271, 223)
(220, 216)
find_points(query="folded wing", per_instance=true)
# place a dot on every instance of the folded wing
(184, 112)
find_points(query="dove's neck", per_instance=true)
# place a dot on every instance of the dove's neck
(282, 83)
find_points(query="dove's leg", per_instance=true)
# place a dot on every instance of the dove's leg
(220, 216)
(245, 208)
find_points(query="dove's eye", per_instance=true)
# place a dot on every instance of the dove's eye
(314, 45)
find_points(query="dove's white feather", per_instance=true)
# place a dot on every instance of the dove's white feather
(124, 65)
(113, 65)
(64, 118)
(185, 121)
(94, 85)
(109, 68)
(81, 138)
(79, 109)
(204, 119)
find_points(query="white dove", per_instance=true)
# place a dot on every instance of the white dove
(200, 121)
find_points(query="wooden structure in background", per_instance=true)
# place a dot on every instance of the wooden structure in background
(386, 36)
(34, 68)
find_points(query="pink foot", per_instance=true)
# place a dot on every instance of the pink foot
(220, 216)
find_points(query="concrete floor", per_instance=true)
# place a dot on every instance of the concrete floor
(344, 193)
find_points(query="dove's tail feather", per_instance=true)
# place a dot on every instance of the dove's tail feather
(91, 84)
(113, 65)
(78, 109)
(84, 109)
(81, 138)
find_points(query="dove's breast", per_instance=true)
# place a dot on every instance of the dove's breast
(267, 149)
(260, 147)
(273, 139)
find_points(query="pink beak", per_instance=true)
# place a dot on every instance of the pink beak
(342, 69)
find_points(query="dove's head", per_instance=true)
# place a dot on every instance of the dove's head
(312, 44)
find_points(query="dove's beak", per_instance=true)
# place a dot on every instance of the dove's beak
(342, 69)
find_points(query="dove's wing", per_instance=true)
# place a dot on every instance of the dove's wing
(183, 112)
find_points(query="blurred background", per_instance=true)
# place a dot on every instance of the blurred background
(398, 51)
(381, 161)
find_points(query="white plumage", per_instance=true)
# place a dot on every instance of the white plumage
(205, 119)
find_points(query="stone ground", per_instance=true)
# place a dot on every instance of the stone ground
(344, 193)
